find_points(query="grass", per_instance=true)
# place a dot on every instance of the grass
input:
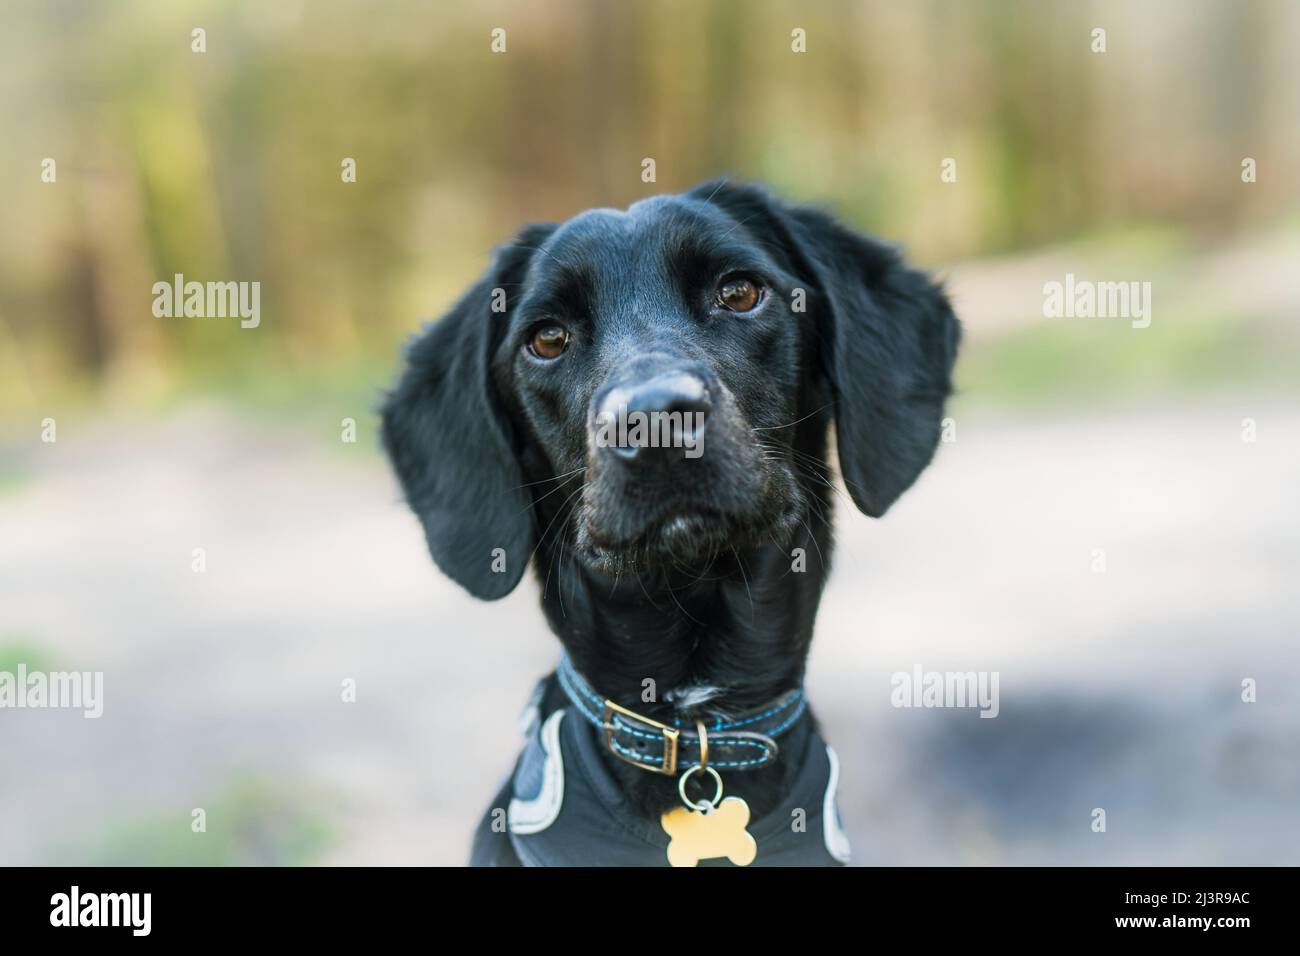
(319, 399)
(1105, 360)
(250, 824)
(15, 650)
(1197, 341)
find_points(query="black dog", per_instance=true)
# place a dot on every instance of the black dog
(681, 574)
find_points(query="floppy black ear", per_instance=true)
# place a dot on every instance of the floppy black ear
(888, 342)
(890, 339)
(450, 441)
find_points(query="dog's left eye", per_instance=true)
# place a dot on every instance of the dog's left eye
(549, 341)
(739, 294)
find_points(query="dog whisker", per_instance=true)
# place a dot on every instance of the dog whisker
(572, 475)
(542, 481)
(764, 428)
(744, 577)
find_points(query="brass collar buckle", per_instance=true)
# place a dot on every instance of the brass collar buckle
(670, 735)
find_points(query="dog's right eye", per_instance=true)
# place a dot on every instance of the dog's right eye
(739, 294)
(549, 341)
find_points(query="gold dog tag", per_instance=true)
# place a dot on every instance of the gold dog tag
(698, 835)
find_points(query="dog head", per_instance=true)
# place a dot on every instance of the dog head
(638, 385)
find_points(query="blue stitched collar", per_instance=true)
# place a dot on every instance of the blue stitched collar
(745, 742)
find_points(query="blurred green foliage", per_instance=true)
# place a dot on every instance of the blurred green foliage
(1065, 362)
(18, 649)
(225, 165)
(250, 823)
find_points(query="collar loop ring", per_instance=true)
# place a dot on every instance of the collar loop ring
(704, 744)
(703, 806)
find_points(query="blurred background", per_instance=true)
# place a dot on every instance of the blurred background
(1173, 450)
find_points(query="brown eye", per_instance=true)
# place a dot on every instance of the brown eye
(549, 341)
(738, 294)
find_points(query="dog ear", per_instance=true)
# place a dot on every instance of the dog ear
(449, 438)
(889, 343)
(888, 340)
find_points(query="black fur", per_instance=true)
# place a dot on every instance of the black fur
(681, 572)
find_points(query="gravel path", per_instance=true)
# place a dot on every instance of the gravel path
(1118, 690)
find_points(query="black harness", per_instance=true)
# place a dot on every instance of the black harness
(561, 806)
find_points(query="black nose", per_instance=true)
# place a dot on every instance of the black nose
(662, 415)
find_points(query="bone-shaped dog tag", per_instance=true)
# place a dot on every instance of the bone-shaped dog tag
(695, 835)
